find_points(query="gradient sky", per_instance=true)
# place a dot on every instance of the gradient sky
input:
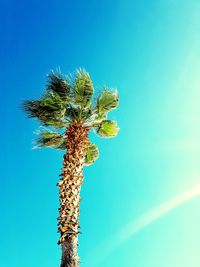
(150, 51)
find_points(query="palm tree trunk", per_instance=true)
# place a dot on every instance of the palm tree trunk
(69, 252)
(70, 186)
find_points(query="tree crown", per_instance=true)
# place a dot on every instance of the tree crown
(68, 100)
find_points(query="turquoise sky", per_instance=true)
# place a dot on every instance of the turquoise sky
(150, 51)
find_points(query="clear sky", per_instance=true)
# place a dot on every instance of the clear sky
(141, 198)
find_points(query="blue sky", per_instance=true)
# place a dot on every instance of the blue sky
(150, 51)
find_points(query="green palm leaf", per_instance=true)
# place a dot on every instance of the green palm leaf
(108, 128)
(106, 101)
(51, 139)
(92, 154)
(72, 112)
(50, 110)
(54, 122)
(52, 101)
(59, 84)
(83, 88)
(97, 119)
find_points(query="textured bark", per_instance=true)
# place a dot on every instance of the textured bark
(70, 186)
(70, 256)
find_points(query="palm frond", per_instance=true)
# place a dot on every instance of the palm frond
(96, 119)
(31, 107)
(50, 139)
(59, 84)
(50, 110)
(107, 129)
(92, 154)
(107, 100)
(54, 122)
(72, 112)
(86, 113)
(53, 101)
(83, 88)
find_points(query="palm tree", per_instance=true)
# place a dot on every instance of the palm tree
(67, 108)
